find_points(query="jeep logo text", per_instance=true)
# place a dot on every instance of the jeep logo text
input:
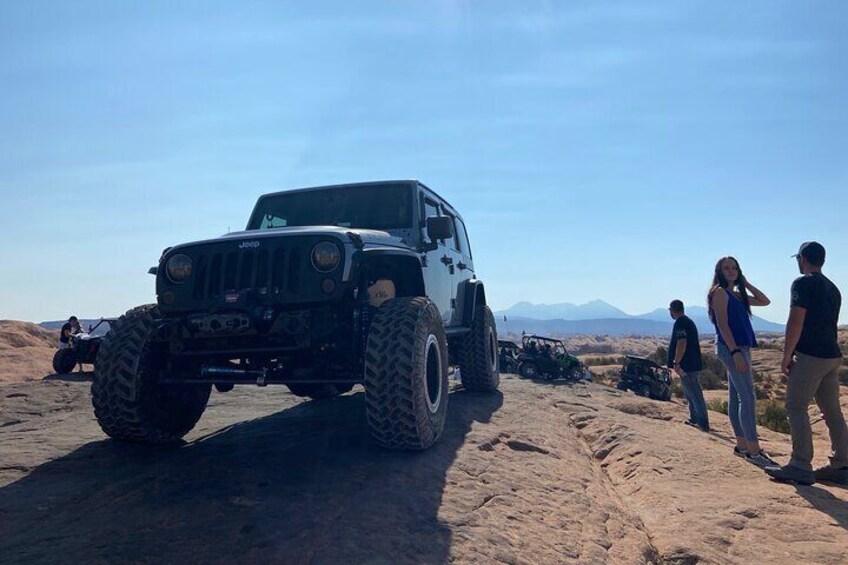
(248, 244)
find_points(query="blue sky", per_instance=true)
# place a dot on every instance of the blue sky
(596, 150)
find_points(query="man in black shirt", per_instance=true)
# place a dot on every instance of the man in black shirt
(69, 328)
(811, 360)
(684, 358)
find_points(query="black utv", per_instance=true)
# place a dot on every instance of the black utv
(645, 378)
(82, 349)
(326, 288)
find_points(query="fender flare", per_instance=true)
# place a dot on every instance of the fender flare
(470, 294)
(399, 260)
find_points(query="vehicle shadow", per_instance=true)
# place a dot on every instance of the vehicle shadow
(303, 485)
(825, 502)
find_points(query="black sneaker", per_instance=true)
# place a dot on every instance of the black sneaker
(791, 474)
(739, 452)
(762, 460)
(831, 474)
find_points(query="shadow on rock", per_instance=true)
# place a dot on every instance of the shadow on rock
(76, 377)
(825, 502)
(302, 485)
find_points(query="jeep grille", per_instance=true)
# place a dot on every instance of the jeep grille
(268, 272)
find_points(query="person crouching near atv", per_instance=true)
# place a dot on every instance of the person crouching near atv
(69, 329)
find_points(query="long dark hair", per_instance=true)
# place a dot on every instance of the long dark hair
(719, 281)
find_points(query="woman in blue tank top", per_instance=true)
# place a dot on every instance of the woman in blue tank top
(730, 311)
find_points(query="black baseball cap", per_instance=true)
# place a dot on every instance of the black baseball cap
(812, 251)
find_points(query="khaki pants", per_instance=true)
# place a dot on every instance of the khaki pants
(814, 377)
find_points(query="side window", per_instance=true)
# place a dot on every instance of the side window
(430, 208)
(453, 242)
(463, 237)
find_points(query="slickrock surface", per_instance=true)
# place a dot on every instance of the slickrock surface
(538, 474)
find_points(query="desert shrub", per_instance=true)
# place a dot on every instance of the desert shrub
(610, 360)
(843, 376)
(758, 376)
(709, 380)
(717, 405)
(676, 389)
(713, 363)
(760, 394)
(772, 414)
(660, 356)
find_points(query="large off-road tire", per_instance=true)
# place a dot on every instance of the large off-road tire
(64, 361)
(406, 374)
(622, 385)
(129, 402)
(319, 391)
(478, 353)
(644, 390)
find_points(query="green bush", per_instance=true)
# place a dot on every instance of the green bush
(709, 380)
(772, 414)
(612, 360)
(713, 364)
(717, 405)
(660, 356)
(760, 394)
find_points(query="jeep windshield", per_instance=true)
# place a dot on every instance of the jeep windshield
(378, 207)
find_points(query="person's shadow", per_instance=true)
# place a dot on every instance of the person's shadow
(823, 501)
(304, 485)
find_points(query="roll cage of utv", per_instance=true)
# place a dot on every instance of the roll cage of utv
(547, 358)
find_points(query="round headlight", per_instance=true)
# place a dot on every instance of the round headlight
(178, 268)
(326, 257)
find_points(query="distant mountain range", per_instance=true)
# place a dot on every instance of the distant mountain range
(601, 318)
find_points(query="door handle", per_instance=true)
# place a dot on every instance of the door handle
(447, 260)
(462, 266)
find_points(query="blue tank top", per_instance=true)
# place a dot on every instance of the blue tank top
(739, 322)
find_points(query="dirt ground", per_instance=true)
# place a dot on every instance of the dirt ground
(537, 474)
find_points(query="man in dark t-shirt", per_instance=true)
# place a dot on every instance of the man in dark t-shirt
(811, 360)
(684, 358)
(69, 328)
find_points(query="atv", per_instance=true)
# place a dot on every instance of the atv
(82, 348)
(546, 358)
(645, 378)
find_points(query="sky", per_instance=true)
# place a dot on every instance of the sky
(597, 150)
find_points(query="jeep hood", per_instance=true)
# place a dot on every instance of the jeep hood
(370, 238)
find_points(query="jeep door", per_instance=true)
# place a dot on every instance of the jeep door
(454, 257)
(438, 279)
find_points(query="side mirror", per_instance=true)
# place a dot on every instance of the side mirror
(439, 227)
(153, 270)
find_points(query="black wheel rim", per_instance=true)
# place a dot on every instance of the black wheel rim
(433, 370)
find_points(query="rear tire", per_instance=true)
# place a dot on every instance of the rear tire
(529, 370)
(129, 403)
(406, 374)
(64, 361)
(478, 354)
(644, 390)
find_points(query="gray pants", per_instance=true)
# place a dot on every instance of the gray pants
(814, 377)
